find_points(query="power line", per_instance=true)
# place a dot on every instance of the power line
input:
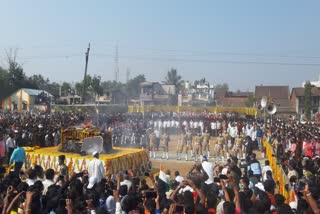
(152, 58)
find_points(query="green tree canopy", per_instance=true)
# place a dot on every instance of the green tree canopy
(133, 85)
(173, 78)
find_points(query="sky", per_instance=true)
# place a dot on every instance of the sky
(243, 43)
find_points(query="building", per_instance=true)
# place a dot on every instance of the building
(297, 100)
(234, 99)
(154, 93)
(26, 99)
(279, 95)
(69, 100)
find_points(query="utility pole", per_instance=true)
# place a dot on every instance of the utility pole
(85, 76)
(116, 65)
(128, 74)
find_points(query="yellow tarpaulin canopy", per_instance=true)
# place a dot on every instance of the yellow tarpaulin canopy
(240, 110)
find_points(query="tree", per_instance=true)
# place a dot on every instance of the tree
(64, 88)
(173, 78)
(224, 86)
(251, 101)
(39, 81)
(96, 85)
(133, 85)
(307, 100)
(13, 78)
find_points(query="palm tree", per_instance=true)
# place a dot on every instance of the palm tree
(173, 78)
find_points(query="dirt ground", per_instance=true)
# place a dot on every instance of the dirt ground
(181, 165)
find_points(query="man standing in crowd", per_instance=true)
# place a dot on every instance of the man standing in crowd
(254, 165)
(259, 138)
(96, 168)
(10, 145)
(18, 157)
(63, 169)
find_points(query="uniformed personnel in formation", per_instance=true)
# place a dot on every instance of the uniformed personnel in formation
(182, 143)
(197, 146)
(206, 143)
(164, 141)
(152, 144)
(189, 143)
(219, 147)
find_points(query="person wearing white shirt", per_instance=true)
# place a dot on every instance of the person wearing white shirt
(165, 125)
(208, 168)
(249, 130)
(126, 181)
(265, 169)
(201, 126)
(195, 125)
(160, 124)
(177, 124)
(178, 178)
(191, 124)
(218, 127)
(173, 123)
(48, 181)
(214, 128)
(10, 145)
(96, 168)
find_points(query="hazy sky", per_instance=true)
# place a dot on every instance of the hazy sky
(244, 43)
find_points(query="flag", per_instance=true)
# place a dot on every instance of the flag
(163, 180)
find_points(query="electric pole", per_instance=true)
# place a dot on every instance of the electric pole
(128, 75)
(85, 76)
(116, 65)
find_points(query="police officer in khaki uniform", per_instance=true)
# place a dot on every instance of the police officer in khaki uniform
(197, 146)
(219, 147)
(182, 143)
(226, 139)
(153, 145)
(189, 144)
(165, 144)
(206, 143)
(237, 148)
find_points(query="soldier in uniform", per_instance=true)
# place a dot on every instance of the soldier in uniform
(206, 143)
(197, 146)
(165, 144)
(182, 142)
(189, 144)
(153, 142)
(226, 139)
(237, 148)
(219, 147)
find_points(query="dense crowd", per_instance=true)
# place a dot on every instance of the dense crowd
(238, 185)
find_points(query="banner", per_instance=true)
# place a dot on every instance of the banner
(240, 110)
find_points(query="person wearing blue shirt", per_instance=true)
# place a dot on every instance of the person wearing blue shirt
(259, 137)
(18, 157)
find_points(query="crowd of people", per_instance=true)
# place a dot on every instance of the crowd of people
(237, 183)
